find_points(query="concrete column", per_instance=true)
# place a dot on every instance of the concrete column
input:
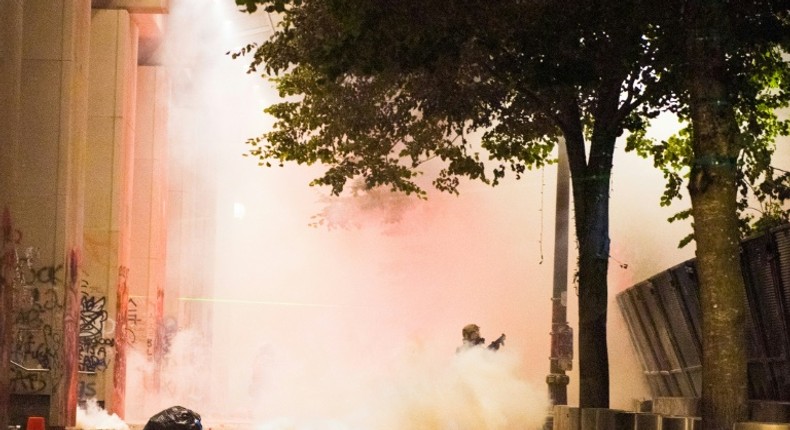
(108, 205)
(192, 214)
(72, 162)
(149, 228)
(47, 209)
(192, 219)
(10, 90)
(10, 94)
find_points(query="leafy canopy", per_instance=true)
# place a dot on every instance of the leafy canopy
(758, 73)
(379, 104)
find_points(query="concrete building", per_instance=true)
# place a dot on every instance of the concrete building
(90, 201)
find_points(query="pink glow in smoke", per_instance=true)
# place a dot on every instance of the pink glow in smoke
(356, 326)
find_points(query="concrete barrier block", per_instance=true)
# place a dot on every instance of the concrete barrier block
(677, 406)
(769, 411)
(566, 418)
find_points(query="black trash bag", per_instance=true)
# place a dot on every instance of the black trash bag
(175, 418)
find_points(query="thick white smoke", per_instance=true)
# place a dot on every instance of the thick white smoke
(93, 416)
(345, 314)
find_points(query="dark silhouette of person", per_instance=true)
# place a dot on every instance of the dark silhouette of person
(471, 338)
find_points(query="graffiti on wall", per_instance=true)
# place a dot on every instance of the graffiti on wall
(86, 389)
(39, 295)
(28, 381)
(37, 301)
(94, 325)
(168, 331)
(38, 304)
(132, 318)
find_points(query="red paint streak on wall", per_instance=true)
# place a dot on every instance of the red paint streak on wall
(159, 322)
(122, 312)
(71, 319)
(6, 321)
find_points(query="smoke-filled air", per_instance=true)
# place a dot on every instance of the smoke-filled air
(345, 313)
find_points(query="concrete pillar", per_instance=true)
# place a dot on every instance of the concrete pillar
(192, 212)
(10, 105)
(149, 226)
(10, 94)
(108, 205)
(48, 165)
(45, 46)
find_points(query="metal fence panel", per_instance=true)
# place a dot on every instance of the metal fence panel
(781, 263)
(669, 365)
(663, 316)
(767, 333)
(679, 339)
(642, 341)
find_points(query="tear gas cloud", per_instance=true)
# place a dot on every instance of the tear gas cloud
(346, 312)
(93, 416)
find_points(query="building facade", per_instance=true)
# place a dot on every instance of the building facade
(87, 192)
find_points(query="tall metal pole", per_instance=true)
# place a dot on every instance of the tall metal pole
(561, 333)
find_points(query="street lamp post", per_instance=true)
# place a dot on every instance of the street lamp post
(561, 334)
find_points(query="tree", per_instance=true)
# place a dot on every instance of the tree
(377, 88)
(732, 78)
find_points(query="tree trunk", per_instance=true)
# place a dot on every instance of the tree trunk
(591, 211)
(593, 236)
(713, 188)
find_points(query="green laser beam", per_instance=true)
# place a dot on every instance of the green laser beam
(255, 302)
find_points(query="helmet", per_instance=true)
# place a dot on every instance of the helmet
(470, 331)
